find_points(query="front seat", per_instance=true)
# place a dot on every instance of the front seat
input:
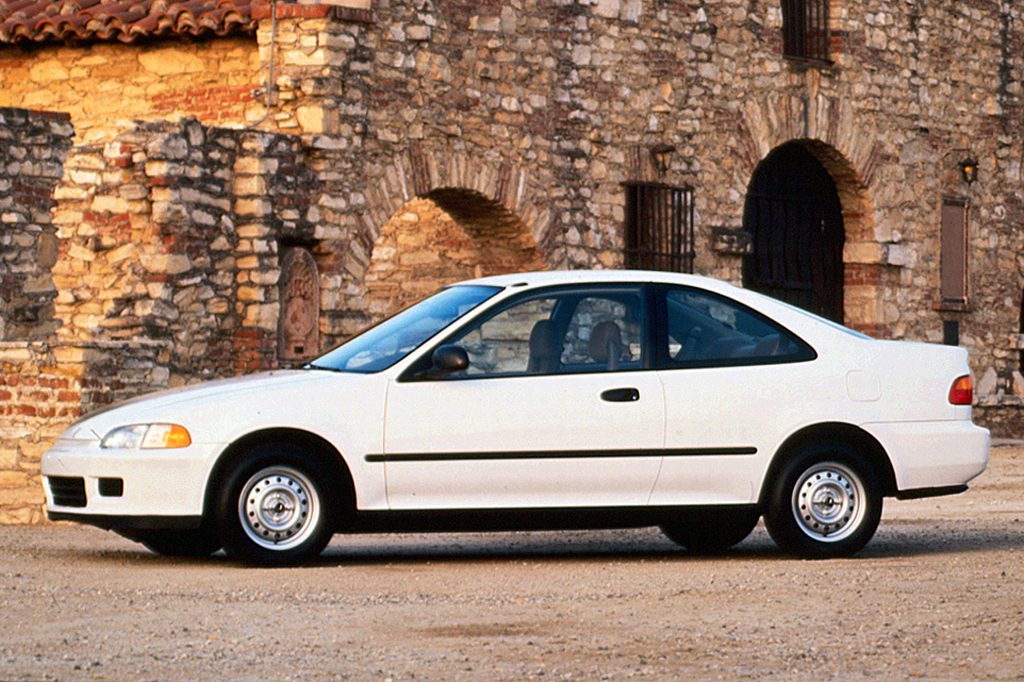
(606, 344)
(545, 353)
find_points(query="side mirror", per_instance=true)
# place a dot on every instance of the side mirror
(449, 358)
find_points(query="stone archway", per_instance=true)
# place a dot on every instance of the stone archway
(445, 236)
(795, 220)
(827, 129)
(422, 205)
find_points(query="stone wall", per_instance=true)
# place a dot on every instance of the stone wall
(171, 233)
(103, 85)
(424, 245)
(37, 393)
(32, 150)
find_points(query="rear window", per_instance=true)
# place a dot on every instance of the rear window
(708, 330)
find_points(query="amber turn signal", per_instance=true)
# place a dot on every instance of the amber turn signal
(166, 436)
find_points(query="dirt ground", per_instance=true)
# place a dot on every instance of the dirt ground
(938, 595)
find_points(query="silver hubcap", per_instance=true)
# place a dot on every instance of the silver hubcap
(828, 502)
(279, 508)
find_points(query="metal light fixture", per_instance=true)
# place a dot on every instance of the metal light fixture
(660, 154)
(969, 170)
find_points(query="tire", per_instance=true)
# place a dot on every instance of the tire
(825, 502)
(275, 507)
(712, 530)
(189, 542)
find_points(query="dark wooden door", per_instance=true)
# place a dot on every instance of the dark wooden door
(794, 216)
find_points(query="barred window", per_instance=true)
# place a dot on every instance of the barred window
(659, 227)
(805, 32)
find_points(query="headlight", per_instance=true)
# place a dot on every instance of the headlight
(147, 437)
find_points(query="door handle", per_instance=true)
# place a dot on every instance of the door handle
(620, 395)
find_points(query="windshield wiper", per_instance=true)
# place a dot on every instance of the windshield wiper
(313, 365)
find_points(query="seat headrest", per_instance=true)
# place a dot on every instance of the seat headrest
(542, 339)
(605, 341)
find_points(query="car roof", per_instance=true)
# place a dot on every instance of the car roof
(796, 318)
(552, 277)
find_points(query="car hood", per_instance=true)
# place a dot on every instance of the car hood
(166, 405)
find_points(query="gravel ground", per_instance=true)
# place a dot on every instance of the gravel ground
(938, 594)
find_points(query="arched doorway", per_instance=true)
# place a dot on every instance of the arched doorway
(445, 236)
(794, 215)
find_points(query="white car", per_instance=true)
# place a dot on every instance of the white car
(542, 400)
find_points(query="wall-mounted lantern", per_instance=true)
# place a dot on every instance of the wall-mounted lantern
(969, 170)
(660, 154)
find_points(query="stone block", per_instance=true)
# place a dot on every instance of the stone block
(39, 284)
(17, 516)
(311, 118)
(12, 480)
(486, 24)
(8, 458)
(170, 61)
(988, 383)
(48, 71)
(109, 204)
(167, 264)
(417, 33)
(253, 207)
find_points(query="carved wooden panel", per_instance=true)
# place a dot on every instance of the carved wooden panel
(299, 325)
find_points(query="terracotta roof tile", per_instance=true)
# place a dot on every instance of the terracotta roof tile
(27, 21)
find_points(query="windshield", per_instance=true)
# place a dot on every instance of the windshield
(381, 346)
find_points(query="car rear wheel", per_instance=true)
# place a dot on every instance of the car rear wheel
(825, 502)
(274, 508)
(713, 530)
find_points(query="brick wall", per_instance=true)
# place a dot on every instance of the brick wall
(37, 399)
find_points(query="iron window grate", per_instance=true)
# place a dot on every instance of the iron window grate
(805, 32)
(659, 227)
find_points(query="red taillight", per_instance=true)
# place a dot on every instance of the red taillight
(962, 391)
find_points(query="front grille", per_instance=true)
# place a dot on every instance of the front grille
(67, 491)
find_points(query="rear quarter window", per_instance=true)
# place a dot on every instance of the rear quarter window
(707, 330)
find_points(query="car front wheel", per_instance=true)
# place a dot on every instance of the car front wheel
(274, 508)
(825, 502)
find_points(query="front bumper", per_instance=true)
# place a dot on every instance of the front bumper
(156, 486)
(933, 456)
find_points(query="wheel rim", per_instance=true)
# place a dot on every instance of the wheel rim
(279, 508)
(829, 502)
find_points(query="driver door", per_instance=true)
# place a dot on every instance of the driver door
(557, 409)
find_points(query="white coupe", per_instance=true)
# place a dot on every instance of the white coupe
(548, 400)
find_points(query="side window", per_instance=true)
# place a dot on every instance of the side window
(502, 344)
(603, 333)
(709, 330)
(575, 331)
